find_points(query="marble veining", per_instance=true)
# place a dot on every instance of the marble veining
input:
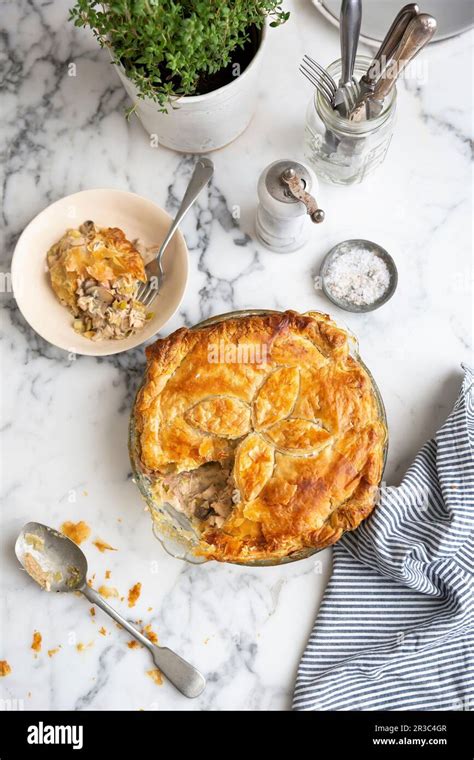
(65, 418)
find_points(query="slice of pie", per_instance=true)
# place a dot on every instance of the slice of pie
(95, 272)
(264, 431)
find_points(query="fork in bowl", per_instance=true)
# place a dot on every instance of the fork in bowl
(147, 291)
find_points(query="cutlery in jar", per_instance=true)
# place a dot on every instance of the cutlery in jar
(387, 48)
(418, 33)
(319, 78)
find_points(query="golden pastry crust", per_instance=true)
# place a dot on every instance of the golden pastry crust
(281, 399)
(104, 255)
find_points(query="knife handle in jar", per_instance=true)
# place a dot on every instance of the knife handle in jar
(390, 42)
(417, 34)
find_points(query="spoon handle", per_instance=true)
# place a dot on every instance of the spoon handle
(351, 16)
(182, 675)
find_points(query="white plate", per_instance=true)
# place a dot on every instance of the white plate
(139, 218)
(453, 16)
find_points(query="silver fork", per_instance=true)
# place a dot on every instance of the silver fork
(326, 86)
(202, 173)
(319, 78)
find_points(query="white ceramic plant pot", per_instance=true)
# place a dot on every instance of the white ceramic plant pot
(201, 123)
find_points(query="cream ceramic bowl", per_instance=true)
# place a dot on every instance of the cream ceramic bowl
(139, 218)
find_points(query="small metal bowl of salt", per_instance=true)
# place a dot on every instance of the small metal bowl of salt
(358, 275)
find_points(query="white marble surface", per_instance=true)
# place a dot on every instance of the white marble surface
(64, 427)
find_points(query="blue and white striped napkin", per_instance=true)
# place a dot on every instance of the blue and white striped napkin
(395, 630)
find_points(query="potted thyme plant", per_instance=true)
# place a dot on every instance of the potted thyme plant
(190, 67)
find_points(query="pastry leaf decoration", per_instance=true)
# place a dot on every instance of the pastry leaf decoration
(224, 416)
(295, 435)
(276, 397)
(265, 428)
(254, 462)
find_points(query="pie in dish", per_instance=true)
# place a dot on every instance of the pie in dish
(264, 431)
(95, 272)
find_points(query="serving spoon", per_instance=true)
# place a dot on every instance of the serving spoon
(57, 564)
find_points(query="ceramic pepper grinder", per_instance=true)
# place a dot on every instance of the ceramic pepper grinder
(285, 203)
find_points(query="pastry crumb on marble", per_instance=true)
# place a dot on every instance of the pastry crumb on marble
(77, 532)
(82, 647)
(134, 594)
(150, 634)
(52, 652)
(103, 546)
(36, 642)
(108, 592)
(134, 644)
(103, 631)
(5, 668)
(155, 676)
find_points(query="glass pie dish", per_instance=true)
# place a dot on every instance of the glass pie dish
(175, 531)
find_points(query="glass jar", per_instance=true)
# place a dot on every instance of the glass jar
(344, 152)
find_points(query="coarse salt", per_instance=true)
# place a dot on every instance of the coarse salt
(358, 276)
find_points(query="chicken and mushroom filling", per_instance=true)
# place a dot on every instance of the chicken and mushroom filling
(206, 495)
(108, 310)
